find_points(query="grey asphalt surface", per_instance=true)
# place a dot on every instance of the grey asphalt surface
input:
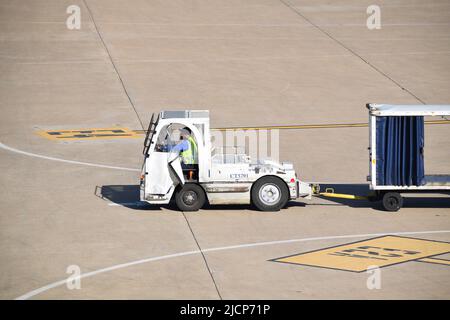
(251, 63)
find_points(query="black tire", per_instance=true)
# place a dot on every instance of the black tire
(392, 201)
(190, 197)
(270, 194)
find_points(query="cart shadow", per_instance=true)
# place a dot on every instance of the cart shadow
(354, 189)
(126, 196)
(421, 201)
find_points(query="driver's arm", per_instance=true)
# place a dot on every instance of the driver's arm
(181, 146)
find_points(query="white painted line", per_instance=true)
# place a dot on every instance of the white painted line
(89, 274)
(5, 147)
(240, 246)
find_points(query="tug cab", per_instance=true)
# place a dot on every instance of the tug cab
(222, 175)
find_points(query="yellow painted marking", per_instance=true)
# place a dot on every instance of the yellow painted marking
(317, 126)
(306, 126)
(89, 134)
(435, 261)
(342, 196)
(116, 133)
(381, 252)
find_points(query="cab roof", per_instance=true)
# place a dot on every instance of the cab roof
(184, 114)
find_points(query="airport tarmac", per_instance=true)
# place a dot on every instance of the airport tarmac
(251, 63)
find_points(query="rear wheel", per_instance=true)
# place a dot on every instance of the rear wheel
(392, 201)
(270, 194)
(190, 197)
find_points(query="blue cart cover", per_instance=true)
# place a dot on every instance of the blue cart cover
(400, 143)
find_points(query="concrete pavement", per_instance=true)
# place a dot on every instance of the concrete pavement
(251, 63)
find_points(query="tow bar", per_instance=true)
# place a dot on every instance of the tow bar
(329, 192)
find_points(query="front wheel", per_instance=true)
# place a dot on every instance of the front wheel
(270, 194)
(190, 197)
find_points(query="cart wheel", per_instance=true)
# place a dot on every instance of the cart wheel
(392, 201)
(190, 197)
(270, 194)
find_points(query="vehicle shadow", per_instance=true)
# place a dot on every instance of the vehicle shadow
(126, 196)
(246, 207)
(410, 201)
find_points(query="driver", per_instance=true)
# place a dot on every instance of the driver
(187, 147)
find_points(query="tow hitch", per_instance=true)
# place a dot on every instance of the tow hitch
(329, 192)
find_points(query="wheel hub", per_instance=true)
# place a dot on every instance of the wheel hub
(189, 197)
(269, 194)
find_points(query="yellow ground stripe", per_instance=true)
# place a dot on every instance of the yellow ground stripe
(343, 196)
(380, 252)
(119, 132)
(316, 126)
(305, 126)
(89, 134)
(435, 261)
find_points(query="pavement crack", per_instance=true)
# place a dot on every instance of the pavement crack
(351, 51)
(203, 256)
(113, 64)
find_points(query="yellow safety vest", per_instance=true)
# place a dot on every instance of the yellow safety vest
(189, 156)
